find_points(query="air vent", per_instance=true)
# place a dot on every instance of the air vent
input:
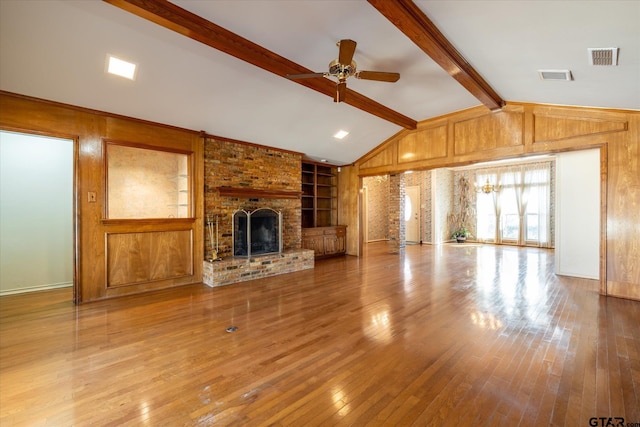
(555, 74)
(603, 56)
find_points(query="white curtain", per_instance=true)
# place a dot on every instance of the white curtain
(511, 204)
(520, 211)
(537, 179)
(487, 208)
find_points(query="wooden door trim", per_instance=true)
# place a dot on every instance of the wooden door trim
(77, 288)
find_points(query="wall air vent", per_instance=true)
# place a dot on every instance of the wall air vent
(603, 56)
(555, 74)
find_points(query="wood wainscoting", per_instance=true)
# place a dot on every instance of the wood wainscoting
(451, 335)
(146, 257)
(115, 257)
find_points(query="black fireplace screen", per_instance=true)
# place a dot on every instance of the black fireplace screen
(257, 233)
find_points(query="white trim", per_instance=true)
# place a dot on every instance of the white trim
(36, 288)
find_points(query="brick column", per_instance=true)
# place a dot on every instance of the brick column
(397, 240)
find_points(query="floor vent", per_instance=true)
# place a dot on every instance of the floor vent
(555, 74)
(603, 56)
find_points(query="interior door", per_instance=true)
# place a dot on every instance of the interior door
(412, 214)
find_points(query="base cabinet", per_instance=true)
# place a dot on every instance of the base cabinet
(325, 241)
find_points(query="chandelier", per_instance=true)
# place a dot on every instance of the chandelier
(487, 188)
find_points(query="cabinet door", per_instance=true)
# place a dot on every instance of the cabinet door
(315, 242)
(330, 244)
(341, 239)
(341, 243)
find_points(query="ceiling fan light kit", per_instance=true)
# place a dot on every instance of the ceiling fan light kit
(344, 67)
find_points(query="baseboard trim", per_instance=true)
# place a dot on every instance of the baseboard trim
(36, 288)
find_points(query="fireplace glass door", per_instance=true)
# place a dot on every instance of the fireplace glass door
(257, 233)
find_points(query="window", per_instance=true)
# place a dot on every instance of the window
(145, 182)
(486, 210)
(520, 211)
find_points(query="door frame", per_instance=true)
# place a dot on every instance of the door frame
(74, 209)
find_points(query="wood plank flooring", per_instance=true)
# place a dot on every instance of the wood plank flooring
(451, 335)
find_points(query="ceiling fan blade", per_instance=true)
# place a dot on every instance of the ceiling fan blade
(304, 76)
(347, 49)
(341, 91)
(378, 75)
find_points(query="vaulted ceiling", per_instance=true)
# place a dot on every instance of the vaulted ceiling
(220, 66)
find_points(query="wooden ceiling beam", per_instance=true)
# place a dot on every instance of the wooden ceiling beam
(409, 19)
(197, 28)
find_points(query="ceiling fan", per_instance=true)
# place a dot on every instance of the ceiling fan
(345, 67)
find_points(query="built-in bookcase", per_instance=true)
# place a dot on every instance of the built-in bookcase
(319, 195)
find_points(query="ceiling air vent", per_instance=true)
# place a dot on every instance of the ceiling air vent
(555, 74)
(603, 56)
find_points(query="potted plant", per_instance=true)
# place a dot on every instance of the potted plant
(461, 234)
(459, 221)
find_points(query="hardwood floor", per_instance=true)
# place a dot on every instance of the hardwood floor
(453, 335)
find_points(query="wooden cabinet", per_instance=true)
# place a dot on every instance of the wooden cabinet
(313, 238)
(325, 241)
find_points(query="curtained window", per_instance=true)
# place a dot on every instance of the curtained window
(519, 213)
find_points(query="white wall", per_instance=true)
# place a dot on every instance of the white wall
(578, 214)
(36, 213)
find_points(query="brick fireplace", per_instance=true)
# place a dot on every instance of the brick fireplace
(242, 176)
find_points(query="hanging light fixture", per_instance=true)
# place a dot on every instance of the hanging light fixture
(487, 188)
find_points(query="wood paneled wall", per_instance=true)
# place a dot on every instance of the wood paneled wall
(112, 257)
(145, 257)
(478, 135)
(349, 202)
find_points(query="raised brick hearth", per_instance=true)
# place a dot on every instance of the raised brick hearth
(234, 270)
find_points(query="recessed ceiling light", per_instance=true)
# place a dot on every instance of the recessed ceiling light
(341, 134)
(555, 75)
(323, 160)
(121, 68)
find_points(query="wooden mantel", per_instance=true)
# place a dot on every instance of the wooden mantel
(252, 193)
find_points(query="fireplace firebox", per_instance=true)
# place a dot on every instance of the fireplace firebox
(257, 232)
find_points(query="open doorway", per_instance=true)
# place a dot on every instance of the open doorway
(36, 212)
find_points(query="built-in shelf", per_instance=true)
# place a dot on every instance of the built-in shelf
(181, 193)
(319, 195)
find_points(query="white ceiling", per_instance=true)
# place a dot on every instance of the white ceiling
(56, 50)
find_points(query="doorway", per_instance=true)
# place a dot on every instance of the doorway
(412, 214)
(36, 212)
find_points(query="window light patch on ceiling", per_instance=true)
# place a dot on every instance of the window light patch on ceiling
(121, 68)
(555, 75)
(603, 56)
(341, 134)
